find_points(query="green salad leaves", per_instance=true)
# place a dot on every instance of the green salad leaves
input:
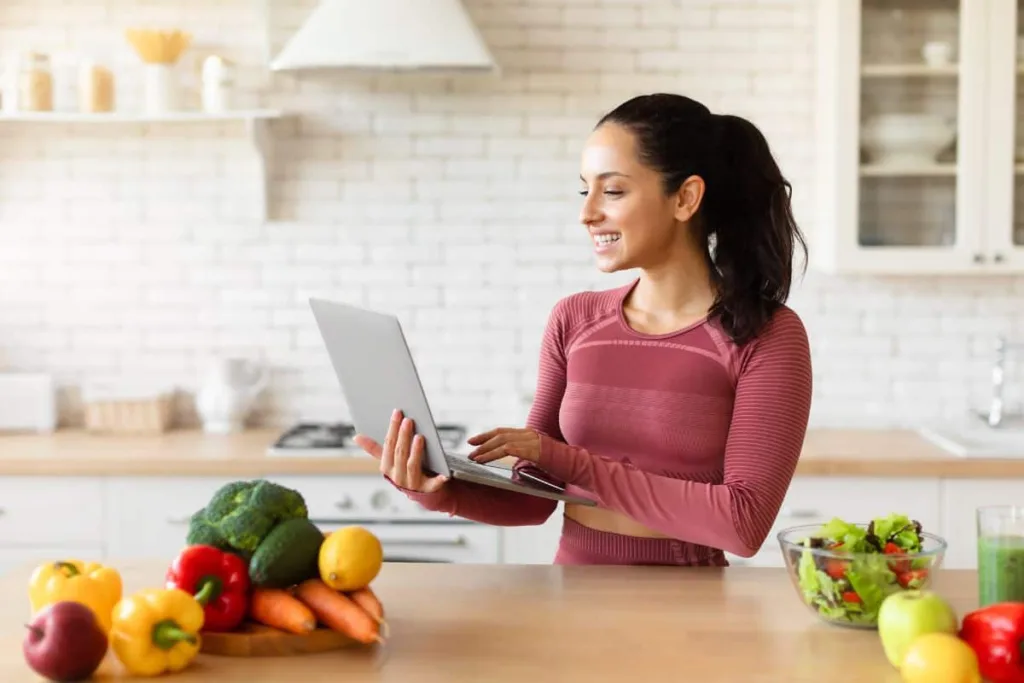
(851, 589)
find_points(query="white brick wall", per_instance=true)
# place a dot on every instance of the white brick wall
(124, 251)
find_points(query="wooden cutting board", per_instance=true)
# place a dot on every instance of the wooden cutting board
(256, 640)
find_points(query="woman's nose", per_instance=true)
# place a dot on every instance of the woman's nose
(588, 212)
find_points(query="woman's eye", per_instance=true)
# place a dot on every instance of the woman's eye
(613, 193)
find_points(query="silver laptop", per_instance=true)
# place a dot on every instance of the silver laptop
(376, 372)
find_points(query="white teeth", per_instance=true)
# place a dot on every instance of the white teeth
(607, 239)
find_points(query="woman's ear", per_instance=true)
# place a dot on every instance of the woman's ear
(688, 198)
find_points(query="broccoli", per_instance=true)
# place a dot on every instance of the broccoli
(241, 514)
(201, 532)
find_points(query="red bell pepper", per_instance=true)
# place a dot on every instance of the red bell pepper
(996, 634)
(219, 581)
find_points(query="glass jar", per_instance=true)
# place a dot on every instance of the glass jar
(35, 83)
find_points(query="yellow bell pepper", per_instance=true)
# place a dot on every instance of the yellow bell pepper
(156, 630)
(92, 584)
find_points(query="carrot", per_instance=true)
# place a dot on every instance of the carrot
(278, 608)
(368, 600)
(337, 611)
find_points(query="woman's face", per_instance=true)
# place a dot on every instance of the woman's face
(631, 221)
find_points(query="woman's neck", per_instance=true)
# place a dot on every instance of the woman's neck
(678, 289)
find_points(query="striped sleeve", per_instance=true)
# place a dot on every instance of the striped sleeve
(766, 435)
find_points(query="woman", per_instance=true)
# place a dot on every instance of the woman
(680, 401)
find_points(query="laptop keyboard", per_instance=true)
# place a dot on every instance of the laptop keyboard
(457, 463)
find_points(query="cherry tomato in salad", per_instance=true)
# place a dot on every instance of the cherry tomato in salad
(898, 566)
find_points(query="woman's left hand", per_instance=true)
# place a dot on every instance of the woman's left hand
(503, 442)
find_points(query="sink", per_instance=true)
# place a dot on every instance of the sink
(978, 440)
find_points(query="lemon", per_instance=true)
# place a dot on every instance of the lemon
(350, 558)
(940, 658)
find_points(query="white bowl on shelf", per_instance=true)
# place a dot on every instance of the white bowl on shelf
(906, 139)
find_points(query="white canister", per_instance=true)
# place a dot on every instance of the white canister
(218, 79)
(160, 91)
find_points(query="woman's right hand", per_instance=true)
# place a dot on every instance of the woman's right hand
(401, 456)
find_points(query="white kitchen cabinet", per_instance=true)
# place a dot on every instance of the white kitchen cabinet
(960, 500)
(51, 511)
(532, 544)
(948, 206)
(815, 500)
(148, 517)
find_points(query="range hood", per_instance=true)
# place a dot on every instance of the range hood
(386, 34)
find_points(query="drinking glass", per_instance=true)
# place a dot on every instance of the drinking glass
(1000, 553)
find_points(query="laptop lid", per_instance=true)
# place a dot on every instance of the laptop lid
(375, 369)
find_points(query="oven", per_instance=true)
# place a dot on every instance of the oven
(452, 541)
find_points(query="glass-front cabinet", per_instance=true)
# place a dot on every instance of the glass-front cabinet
(917, 132)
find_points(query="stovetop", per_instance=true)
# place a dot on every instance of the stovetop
(306, 435)
(335, 438)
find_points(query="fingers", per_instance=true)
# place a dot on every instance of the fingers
(402, 455)
(369, 445)
(414, 466)
(490, 444)
(496, 454)
(388, 452)
(403, 444)
(481, 438)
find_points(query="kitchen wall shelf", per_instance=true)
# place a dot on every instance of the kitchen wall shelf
(962, 213)
(257, 122)
(140, 117)
(896, 170)
(905, 70)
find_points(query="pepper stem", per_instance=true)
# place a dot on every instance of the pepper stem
(167, 634)
(66, 567)
(209, 589)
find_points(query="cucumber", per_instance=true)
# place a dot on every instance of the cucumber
(288, 555)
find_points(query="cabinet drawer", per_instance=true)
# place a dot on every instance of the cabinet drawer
(47, 511)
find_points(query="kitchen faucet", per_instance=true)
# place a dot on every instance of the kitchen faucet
(995, 415)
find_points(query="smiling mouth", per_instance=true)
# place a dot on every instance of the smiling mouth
(606, 238)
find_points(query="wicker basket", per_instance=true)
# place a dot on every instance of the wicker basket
(143, 415)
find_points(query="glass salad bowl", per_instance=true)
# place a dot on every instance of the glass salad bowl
(843, 571)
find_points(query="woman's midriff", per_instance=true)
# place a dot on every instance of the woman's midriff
(602, 519)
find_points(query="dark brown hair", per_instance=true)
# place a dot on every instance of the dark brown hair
(745, 215)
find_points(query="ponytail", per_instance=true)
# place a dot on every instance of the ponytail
(745, 216)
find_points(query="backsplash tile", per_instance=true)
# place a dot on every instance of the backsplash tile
(126, 251)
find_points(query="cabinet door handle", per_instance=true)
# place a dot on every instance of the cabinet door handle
(979, 258)
(998, 258)
(800, 513)
(2, 512)
(438, 542)
(179, 520)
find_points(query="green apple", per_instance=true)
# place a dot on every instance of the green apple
(908, 614)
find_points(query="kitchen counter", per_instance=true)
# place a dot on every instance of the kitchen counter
(519, 623)
(827, 452)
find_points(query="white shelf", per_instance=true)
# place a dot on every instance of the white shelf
(897, 170)
(139, 117)
(256, 123)
(902, 70)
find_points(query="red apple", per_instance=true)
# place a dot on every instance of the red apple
(65, 642)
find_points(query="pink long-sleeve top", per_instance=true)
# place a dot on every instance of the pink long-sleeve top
(687, 433)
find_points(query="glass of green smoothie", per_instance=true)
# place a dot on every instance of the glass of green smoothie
(1000, 554)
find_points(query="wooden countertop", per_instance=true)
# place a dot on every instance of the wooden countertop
(516, 623)
(827, 452)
